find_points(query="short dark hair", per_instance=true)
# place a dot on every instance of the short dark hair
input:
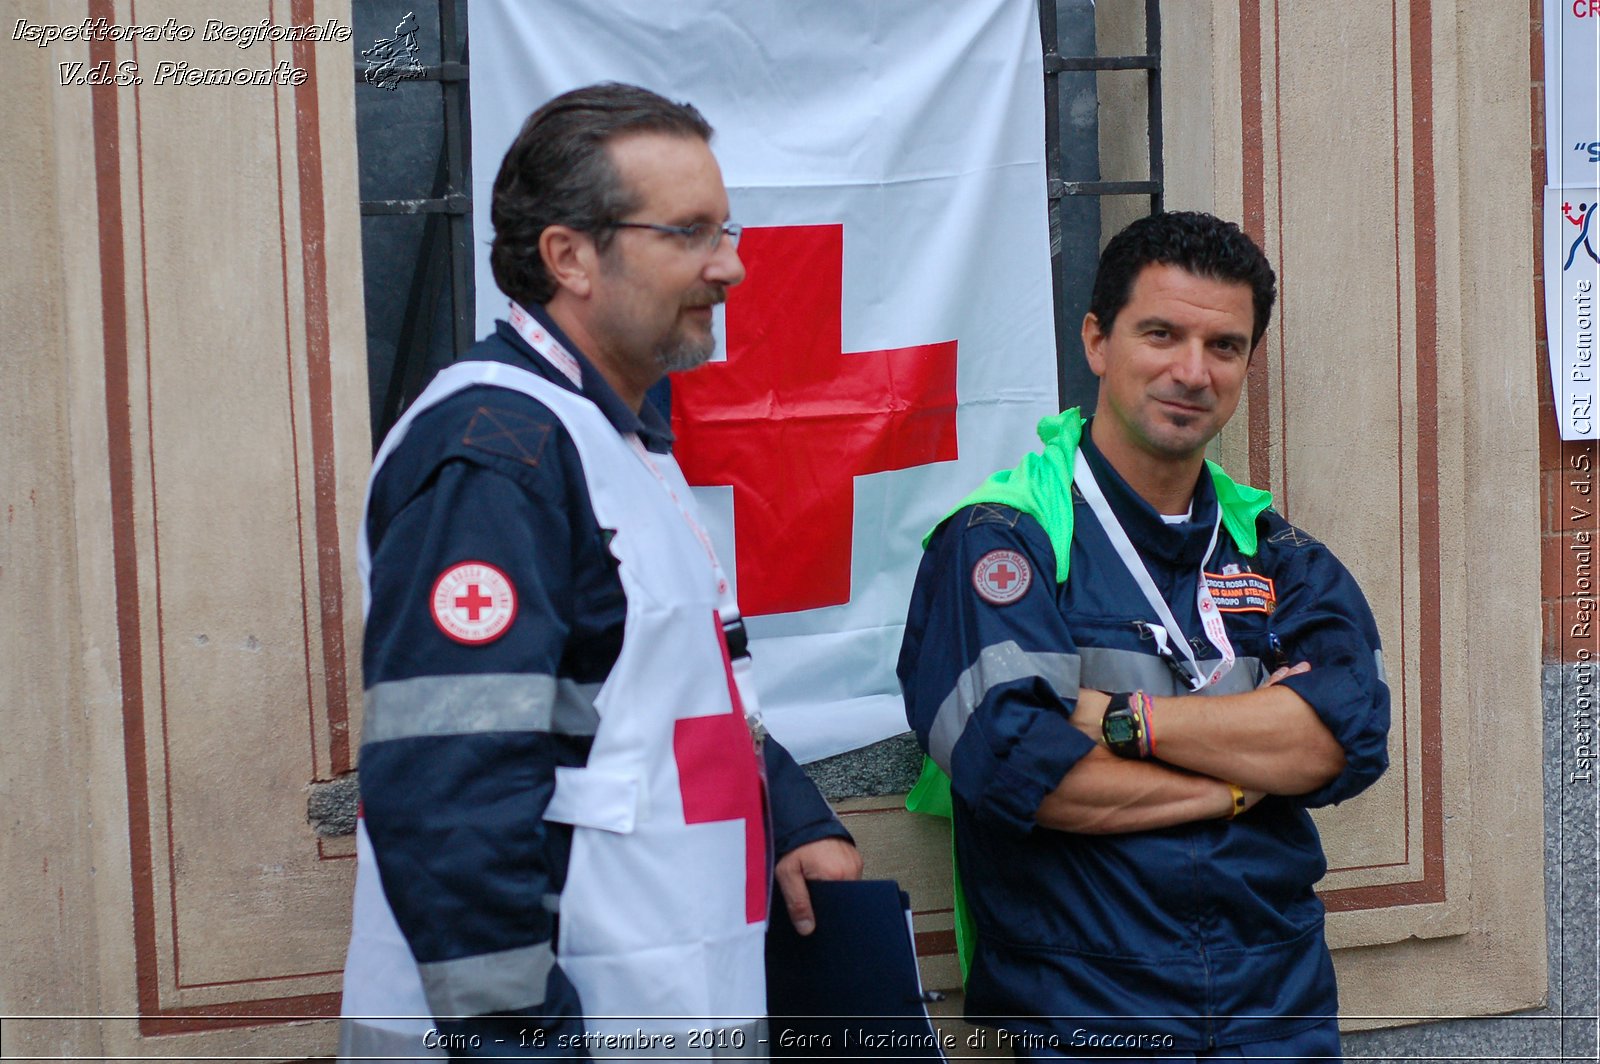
(1203, 244)
(558, 172)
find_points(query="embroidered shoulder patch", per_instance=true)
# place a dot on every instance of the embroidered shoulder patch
(988, 513)
(1001, 577)
(473, 603)
(1293, 537)
(508, 434)
(1238, 592)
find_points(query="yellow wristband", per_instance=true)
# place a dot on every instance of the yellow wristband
(1238, 800)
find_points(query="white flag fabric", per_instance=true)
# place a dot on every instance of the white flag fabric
(893, 343)
(1571, 214)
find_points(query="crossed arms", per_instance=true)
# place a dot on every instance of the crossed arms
(994, 693)
(1267, 741)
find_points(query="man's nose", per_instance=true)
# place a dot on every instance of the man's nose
(724, 267)
(1189, 365)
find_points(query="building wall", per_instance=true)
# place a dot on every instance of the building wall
(185, 447)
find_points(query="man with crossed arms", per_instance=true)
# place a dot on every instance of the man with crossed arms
(1139, 862)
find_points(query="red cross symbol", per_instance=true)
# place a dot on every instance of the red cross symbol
(720, 780)
(1003, 575)
(474, 602)
(791, 419)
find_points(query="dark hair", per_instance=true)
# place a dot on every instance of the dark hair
(558, 172)
(1203, 244)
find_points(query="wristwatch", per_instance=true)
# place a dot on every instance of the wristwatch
(1122, 727)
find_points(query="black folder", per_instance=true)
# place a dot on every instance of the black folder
(850, 989)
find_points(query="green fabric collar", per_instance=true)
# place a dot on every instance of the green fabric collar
(1041, 485)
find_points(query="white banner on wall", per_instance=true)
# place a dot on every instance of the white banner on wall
(893, 342)
(1571, 227)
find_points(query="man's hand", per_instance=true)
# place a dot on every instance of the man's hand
(831, 858)
(1286, 672)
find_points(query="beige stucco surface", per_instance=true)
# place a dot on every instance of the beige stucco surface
(48, 931)
(185, 447)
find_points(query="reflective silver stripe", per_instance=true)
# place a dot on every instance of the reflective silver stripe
(489, 982)
(1377, 658)
(469, 704)
(997, 664)
(575, 712)
(1105, 669)
(369, 1042)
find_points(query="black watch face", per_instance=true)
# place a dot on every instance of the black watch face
(1119, 729)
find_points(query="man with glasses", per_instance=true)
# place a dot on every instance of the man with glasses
(1139, 863)
(568, 796)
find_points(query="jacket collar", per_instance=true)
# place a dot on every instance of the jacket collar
(1181, 544)
(649, 423)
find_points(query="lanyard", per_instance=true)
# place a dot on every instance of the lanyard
(541, 341)
(728, 608)
(739, 666)
(1169, 629)
(552, 351)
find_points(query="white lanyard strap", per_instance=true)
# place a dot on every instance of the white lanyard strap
(1209, 617)
(548, 347)
(552, 351)
(729, 609)
(727, 606)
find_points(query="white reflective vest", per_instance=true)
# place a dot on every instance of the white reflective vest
(663, 914)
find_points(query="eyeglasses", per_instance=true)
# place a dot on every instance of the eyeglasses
(702, 236)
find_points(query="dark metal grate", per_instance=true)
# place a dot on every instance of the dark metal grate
(1067, 276)
(444, 256)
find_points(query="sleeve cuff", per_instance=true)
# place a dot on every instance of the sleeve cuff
(1328, 691)
(800, 814)
(1033, 768)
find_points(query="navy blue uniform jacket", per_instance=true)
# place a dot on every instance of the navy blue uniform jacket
(468, 863)
(1209, 929)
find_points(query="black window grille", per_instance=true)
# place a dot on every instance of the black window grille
(413, 136)
(1074, 87)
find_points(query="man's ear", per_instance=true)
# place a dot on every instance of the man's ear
(1094, 345)
(570, 257)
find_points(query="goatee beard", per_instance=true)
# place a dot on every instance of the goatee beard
(685, 353)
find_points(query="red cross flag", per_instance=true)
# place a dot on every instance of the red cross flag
(893, 341)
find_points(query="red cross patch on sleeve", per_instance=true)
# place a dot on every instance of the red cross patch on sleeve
(473, 603)
(1001, 577)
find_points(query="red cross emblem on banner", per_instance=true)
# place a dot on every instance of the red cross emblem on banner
(791, 419)
(719, 779)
